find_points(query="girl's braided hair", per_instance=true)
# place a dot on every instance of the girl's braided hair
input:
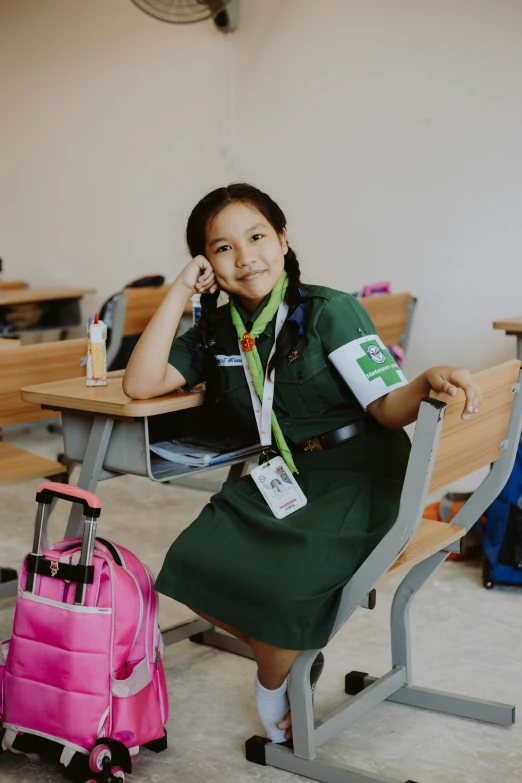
(202, 214)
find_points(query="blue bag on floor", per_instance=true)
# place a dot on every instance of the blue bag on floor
(503, 535)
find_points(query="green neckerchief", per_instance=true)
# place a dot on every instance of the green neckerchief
(254, 361)
(249, 318)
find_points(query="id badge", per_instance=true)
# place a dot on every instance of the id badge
(278, 487)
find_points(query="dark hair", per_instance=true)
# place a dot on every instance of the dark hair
(203, 213)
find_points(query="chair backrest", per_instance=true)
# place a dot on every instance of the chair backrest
(390, 313)
(466, 446)
(142, 303)
(30, 364)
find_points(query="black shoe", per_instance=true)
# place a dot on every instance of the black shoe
(315, 671)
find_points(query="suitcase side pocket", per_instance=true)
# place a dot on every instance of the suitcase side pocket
(4, 649)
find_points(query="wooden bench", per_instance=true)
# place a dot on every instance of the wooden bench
(20, 366)
(132, 310)
(392, 315)
(12, 285)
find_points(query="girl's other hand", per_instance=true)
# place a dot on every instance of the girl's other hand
(449, 379)
(198, 276)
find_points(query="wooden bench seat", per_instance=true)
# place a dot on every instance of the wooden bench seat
(19, 465)
(20, 365)
(431, 537)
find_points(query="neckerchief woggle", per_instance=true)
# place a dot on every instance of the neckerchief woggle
(261, 385)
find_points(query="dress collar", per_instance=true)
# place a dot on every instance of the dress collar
(248, 319)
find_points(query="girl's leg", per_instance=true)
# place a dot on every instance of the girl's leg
(274, 665)
(272, 703)
(224, 627)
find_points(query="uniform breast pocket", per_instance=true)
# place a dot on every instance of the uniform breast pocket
(236, 393)
(305, 387)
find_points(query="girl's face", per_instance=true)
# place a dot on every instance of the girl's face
(247, 254)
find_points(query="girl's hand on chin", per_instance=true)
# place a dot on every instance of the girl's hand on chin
(198, 276)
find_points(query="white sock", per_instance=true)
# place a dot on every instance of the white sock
(272, 707)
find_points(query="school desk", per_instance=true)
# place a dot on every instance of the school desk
(512, 326)
(41, 309)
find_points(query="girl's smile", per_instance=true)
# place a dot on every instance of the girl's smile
(246, 252)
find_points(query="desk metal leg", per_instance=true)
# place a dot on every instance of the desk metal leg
(201, 631)
(91, 468)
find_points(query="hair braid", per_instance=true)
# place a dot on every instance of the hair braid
(206, 343)
(288, 334)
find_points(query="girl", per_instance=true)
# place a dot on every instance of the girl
(339, 405)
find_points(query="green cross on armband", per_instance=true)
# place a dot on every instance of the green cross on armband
(387, 369)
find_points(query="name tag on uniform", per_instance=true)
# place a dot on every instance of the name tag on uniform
(229, 361)
(279, 488)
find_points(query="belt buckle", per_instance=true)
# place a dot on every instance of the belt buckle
(309, 445)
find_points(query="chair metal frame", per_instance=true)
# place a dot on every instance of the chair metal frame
(396, 685)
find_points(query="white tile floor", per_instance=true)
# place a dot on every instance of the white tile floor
(466, 639)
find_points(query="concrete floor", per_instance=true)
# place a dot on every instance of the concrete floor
(466, 640)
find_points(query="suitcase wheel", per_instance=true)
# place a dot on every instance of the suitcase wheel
(100, 758)
(116, 775)
(101, 763)
(120, 756)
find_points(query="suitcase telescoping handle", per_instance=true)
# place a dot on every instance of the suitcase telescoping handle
(91, 509)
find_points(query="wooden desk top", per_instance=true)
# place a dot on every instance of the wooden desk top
(111, 400)
(11, 285)
(513, 325)
(26, 295)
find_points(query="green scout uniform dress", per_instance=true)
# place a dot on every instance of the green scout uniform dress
(279, 581)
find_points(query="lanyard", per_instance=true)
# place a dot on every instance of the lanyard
(263, 410)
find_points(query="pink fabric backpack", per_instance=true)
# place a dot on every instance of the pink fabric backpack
(82, 679)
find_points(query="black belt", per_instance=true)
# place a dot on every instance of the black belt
(334, 438)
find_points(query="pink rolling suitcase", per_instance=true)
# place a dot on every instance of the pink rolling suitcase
(82, 679)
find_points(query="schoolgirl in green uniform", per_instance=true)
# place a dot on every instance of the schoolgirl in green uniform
(335, 412)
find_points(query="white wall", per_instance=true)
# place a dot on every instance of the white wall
(388, 131)
(111, 129)
(391, 132)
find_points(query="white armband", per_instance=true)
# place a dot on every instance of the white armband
(368, 368)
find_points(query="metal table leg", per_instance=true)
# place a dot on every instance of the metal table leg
(91, 468)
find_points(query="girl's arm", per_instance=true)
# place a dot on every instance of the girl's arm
(148, 372)
(401, 406)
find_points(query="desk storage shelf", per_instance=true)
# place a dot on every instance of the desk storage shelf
(130, 426)
(128, 448)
